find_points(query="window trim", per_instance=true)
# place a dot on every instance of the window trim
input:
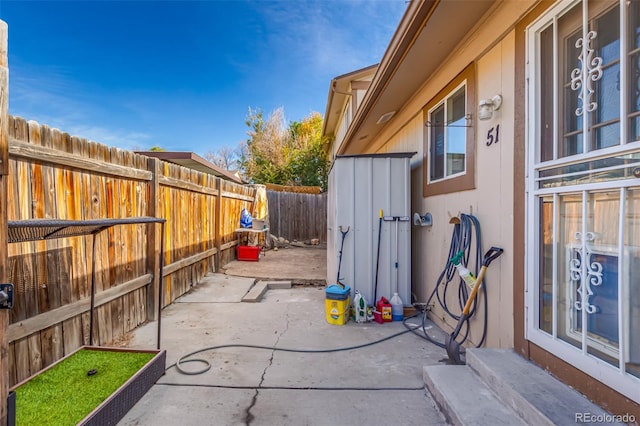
(613, 376)
(466, 180)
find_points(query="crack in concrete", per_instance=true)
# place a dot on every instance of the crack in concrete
(249, 417)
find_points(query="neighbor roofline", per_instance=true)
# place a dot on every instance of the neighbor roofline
(332, 89)
(179, 157)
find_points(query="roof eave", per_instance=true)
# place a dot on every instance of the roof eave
(192, 161)
(406, 66)
(338, 88)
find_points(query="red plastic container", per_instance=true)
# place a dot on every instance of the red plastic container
(248, 253)
(384, 307)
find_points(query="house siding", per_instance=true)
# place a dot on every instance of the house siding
(491, 202)
(342, 128)
(497, 48)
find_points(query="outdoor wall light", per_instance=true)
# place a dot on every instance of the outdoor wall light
(385, 117)
(486, 107)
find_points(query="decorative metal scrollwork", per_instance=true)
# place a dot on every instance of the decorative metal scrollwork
(593, 67)
(593, 271)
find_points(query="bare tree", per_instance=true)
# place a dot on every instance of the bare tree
(225, 157)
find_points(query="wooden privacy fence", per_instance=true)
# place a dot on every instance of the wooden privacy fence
(53, 175)
(297, 216)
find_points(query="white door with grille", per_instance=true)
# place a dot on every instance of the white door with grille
(583, 188)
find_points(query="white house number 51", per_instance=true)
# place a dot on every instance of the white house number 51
(493, 135)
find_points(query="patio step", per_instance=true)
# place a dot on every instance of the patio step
(255, 293)
(497, 386)
(464, 399)
(275, 285)
(532, 392)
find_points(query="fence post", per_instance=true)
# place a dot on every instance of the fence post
(218, 224)
(154, 239)
(4, 170)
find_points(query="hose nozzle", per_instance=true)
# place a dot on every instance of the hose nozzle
(457, 258)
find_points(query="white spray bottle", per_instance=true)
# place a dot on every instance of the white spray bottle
(464, 273)
(359, 308)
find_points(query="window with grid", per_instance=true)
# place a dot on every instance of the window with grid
(584, 187)
(449, 162)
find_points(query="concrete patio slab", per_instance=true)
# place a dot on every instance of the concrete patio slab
(377, 384)
(289, 408)
(167, 405)
(295, 377)
(218, 288)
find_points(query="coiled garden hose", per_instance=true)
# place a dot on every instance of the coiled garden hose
(466, 234)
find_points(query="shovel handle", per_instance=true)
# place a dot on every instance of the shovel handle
(474, 291)
(492, 254)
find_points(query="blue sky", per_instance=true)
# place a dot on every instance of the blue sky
(182, 75)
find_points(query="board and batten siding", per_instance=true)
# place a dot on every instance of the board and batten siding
(491, 201)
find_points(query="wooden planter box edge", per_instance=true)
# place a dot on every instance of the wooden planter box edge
(116, 406)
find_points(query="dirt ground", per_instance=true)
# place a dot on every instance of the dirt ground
(301, 265)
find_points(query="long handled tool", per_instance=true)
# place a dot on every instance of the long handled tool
(344, 234)
(396, 264)
(375, 290)
(453, 347)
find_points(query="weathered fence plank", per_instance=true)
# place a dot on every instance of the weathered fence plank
(298, 216)
(55, 175)
(60, 158)
(52, 340)
(5, 355)
(39, 322)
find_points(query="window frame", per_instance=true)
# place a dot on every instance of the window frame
(547, 336)
(465, 180)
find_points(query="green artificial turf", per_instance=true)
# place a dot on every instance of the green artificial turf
(65, 394)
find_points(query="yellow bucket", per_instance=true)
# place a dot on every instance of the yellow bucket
(337, 304)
